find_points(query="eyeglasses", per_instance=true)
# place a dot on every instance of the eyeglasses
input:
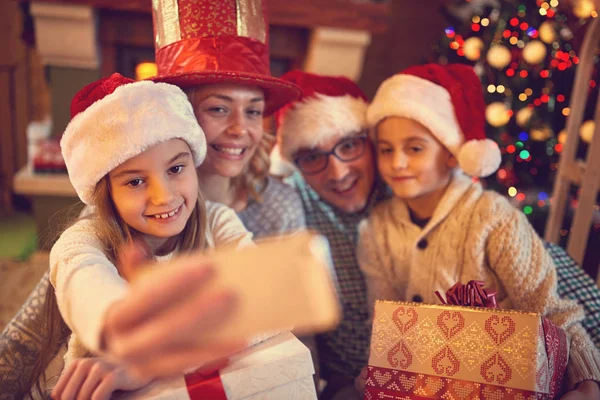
(346, 150)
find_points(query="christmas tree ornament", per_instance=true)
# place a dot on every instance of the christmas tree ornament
(583, 8)
(547, 32)
(497, 114)
(586, 131)
(498, 56)
(566, 33)
(562, 136)
(534, 52)
(473, 47)
(524, 116)
(541, 133)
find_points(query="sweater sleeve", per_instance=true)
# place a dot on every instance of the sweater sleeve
(370, 260)
(224, 227)
(518, 257)
(86, 282)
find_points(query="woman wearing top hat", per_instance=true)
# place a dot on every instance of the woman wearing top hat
(217, 52)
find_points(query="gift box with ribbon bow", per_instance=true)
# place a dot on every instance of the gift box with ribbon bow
(279, 368)
(425, 351)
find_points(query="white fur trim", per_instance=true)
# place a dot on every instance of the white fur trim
(122, 125)
(280, 166)
(419, 99)
(479, 157)
(315, 120)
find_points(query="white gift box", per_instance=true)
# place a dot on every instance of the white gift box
(278, 368)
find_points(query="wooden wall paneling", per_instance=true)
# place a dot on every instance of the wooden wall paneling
(414, 28)
(288, 44)
(348, 14)
(125, 28)
(6, 141)
(109, 59)
(13, 99)
(21, 93)
(10, 24)
(122, 29)
(39, 93)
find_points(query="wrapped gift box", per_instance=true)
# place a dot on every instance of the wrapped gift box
(421, 351)
(279, 368)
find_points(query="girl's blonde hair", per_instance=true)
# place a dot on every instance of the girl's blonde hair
(253, 178)
(112, 232)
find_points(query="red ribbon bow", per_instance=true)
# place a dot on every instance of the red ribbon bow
(472, 294)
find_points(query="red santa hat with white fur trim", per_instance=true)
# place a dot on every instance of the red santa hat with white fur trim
(447, 100)
(330, 106)
(115, 119)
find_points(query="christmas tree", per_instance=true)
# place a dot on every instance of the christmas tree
(524, 52)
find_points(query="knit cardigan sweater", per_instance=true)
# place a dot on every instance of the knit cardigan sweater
(472, 235)
(87, 283)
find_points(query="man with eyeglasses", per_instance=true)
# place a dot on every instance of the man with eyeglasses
(324, 135)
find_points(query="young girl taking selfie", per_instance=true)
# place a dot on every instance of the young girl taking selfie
(131, 149)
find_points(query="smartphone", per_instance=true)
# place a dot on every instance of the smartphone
(284, 283)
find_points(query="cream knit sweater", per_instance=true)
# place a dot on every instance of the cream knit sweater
(473, 234)
(87, 283)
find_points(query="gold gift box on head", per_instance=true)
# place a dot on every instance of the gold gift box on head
(423, 351)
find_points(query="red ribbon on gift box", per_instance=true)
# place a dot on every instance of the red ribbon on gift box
(472, 294)
(201, 386)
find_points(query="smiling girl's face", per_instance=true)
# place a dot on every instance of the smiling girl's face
(156, 191)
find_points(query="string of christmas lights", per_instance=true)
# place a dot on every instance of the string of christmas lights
(524, 54)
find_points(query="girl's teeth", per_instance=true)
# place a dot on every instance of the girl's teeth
(166, 215)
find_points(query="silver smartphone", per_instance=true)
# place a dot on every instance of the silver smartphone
(284, 283)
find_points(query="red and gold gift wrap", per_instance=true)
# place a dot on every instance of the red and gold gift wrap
(421, 351)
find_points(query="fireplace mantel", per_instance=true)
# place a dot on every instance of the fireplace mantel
(322, 36)
(343, 14)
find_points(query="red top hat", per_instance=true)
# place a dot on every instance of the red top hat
(213, 41)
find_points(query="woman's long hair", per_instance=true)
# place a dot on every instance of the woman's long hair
(113, 233)
(253, 178)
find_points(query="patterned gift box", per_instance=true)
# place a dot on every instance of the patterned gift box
(421, 351)
(279, 368)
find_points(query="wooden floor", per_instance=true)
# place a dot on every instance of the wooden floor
(17, 279)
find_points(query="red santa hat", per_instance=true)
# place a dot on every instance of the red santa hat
(330, 106)
(117, 118)
(447, 100)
